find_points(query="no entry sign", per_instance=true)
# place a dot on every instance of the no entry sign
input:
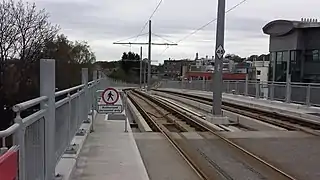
(110, 96)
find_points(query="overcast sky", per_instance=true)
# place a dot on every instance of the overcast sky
(102, 22)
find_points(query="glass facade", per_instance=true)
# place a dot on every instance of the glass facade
(313, 55)
(280, 60)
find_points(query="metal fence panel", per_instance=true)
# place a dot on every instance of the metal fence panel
(34, 150)
(301, 93)
(61, 130)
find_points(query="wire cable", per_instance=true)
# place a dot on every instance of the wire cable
(145, 25)
(163, 38)
(131, 37)
(213, 20)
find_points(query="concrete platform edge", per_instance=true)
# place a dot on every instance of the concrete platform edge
(143, 169)
(142, 124)
(67, 164)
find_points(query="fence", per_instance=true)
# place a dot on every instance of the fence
(42, 137)
(300, 93)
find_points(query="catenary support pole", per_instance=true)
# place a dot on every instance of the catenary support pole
(140, 67)
(149, 58)
(219, 53)
(145, 74)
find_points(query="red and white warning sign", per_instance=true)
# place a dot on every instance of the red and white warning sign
(110, 96)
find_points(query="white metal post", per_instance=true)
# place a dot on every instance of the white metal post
(94, 100)
(257, 89)
(86, 93)
(203, 84)
(288, 88)
(125, 107)
(308, 95)
(19, 141)
(47, 88)
(246, 85)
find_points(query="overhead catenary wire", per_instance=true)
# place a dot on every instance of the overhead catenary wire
(131, 37)
(213, 20)
(145, 25)
(163, 38)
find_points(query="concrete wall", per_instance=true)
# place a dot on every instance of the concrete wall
(284, 43)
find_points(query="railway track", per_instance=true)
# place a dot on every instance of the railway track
(209, 155)
(281, 120)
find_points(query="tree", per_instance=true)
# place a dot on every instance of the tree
(253, 58)
(234, 57)
(129, 61)
(24, 31)
(26, 36)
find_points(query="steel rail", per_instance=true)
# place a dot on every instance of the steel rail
(243, 150)
(171, 140)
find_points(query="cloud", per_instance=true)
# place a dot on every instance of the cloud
(102, 22)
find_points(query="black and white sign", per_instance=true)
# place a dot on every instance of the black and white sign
(108, 101)
(110, 96)
(109, 109)
(220, 52)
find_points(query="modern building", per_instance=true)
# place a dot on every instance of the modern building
(294, 49)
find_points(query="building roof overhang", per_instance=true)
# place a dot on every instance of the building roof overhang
(284, 27)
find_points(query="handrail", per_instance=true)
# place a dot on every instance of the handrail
(27, 104)
(60, 93)
(12, 129)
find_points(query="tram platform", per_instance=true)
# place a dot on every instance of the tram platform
(310, 113)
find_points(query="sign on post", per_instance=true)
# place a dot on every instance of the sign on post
(107, 103)
(220, 51)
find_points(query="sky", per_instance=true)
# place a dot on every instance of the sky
(102, 22)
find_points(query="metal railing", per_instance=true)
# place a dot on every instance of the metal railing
(43, 137)
(300, 93)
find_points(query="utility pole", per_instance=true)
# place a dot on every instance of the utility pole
(145, 74)
(217, 79)
(140, 67)
(149, 58)
(149, 54)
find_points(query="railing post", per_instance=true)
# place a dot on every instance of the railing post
(246, 86)
(69, 116)
(236, 87)
(257, 89)
(18, 139)
(94, 100)
(228, 86)
(86, 93)
(272, 91)
(47, 88)
(288, 89)
(78, 107)
(308, 103)
(203, 84)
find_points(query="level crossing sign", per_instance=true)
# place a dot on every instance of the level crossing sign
(109, 103)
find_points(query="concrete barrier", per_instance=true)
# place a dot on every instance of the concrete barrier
(142, 124)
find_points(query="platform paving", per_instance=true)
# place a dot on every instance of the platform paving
(110, 153)
(162, 161)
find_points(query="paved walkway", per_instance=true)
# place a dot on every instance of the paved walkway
(110, 153)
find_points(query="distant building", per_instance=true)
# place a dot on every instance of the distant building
(173, 68)
(261, 70)
(294, 49)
